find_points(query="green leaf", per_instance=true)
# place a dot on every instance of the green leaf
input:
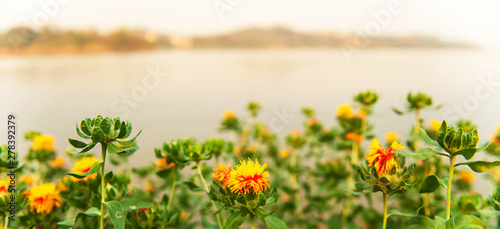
(272, 197)
(129, 130)
(450, 223)
(428, 139)
(97, 135)
(241, 199)
(234, 221)
(398, 213)
(123, 130)
(94, 169)
(116, 214)
(484, 146)
(261, 199)
(274, 222)
(467, 153)
(130, 205)
(244, 210)
(82, 135)
(89, 147)
(77, 144)
(441, 134)
(398, 112)
(71, 222)
(106, 125)
(421, 222)
(440, 222)
(128, 142)
(128, 151)
(469, 222)
(85, 125)
(261, 213)
(422, 154)
(480, 166)
(431, 183)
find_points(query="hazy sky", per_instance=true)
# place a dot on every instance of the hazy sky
(473, 21)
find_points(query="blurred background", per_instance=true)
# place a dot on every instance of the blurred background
(173, 67)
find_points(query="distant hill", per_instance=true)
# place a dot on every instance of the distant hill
(23, 40)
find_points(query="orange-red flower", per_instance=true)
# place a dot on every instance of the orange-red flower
(82, 166)
(61, 186)
(3, 189)
(57, 162)
(162, 164)
(354, 137)
(382, 159)
(43, 198)
(248, 175)
(312, 121)
(221, 174)
(467, 176)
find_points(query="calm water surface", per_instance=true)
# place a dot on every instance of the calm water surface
(51, 93)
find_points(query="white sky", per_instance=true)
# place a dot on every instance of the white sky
(473, 21)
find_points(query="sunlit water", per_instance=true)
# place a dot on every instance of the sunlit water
(52, 93)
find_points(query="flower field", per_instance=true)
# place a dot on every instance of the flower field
(317, 176)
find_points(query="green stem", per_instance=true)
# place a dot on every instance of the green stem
(384, 225)
(252, 221)
(6, 222)
(172, 191)
(103, 182)
(295, 184)
(40, 174)
(208, 190)
(450, 180)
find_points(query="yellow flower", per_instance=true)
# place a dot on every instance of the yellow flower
(149, 187)
(312, 121)
(362, 113)
(467, 176)
(253, 148)
(237, 149)
(495, 173)
(248, 175)
(82, 166)
(221, 174)
(391, 136)
(184, 215)
(284, 197)
(43, 198)
(29, 180)
(43, 142)
(284, 153)
(435, 125)
(161, 163)
(295, 134)
(57, 162)
(383, 160)
(345, 110)
(354, 137)
(3, 189)
(228, 114)
(61, 186)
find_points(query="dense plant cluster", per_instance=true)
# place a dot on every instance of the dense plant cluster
(317, 176)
